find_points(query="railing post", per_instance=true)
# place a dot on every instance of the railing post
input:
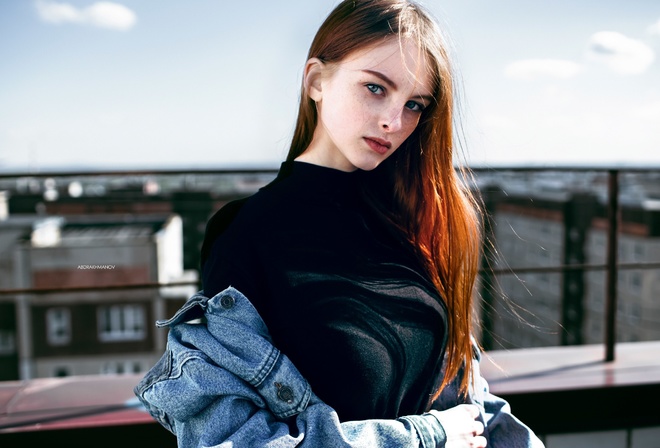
(612, 272)
(491, 196)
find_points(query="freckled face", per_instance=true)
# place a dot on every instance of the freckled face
(368, 105)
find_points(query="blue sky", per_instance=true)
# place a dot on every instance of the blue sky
(209, 83)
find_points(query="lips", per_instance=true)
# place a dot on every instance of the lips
(378, 144)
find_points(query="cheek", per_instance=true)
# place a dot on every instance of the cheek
(357, 109)
(410, 122)
(348, 112)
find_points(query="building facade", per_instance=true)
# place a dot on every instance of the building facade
(533, 304)
(82, 303)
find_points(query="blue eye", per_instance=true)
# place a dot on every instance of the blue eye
(375, 88)
(414, 106)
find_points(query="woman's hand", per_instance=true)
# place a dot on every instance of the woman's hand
(461, 426)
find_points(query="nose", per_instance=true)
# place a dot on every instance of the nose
(391, 121)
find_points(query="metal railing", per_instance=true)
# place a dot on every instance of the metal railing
(612, 270)
(611, 266)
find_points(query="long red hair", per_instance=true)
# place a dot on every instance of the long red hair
(427, 200)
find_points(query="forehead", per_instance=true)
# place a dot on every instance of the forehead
(400, 59)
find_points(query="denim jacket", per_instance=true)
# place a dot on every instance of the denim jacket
(222, 383)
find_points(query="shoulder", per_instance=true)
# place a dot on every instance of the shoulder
(219, 223)
(247, 216)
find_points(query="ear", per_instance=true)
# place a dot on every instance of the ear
(313, 78)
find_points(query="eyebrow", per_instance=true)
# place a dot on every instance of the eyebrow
(393, 85)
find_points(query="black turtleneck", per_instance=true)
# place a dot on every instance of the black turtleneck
(344, 299)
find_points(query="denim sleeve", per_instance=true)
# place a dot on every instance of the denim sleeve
(502, 428)
(222, 383)
(228, 412)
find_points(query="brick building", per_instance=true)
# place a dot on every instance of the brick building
(555, 307)
(72, 313)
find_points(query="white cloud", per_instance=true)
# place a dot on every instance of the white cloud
(100, 14)
(58, 12)
(110, 15)
(535, 68)
(620, 53)
(655, 28)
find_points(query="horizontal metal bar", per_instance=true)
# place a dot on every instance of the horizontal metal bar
(502, 271)
(265, 170)
(572, 267)
(5, 292)
(128, 173)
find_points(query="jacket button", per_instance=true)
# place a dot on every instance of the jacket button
(227, 302)
(284, 393)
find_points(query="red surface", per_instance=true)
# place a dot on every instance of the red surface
(574, 367)
(73, 402)
(108, 400)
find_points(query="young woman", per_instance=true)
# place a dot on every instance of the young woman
(360, 257)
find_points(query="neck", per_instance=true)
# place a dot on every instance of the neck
(317, 159)
(323, 152)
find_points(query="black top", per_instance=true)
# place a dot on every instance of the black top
(342, 297)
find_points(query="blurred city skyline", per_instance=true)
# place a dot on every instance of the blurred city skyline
(206, 84)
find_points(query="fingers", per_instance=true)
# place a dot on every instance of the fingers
(473, 413)
(478, 428)
(462, 427)
(479, 442)
(471, 409)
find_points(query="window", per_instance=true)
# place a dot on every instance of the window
(544, 228)
(635, 282)
(121, 367)
(58, 326)
(121, 323)
(635, 316)
(638, 251)
(544, 278)
(61, 372)
(7, 342)
(597, 246)
(543, 256)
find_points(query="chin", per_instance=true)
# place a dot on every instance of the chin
(367, 162)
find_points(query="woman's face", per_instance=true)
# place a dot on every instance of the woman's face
(368, 104)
